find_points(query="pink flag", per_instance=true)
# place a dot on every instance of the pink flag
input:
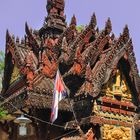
(60, 93)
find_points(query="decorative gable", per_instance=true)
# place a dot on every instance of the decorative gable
(15, 75)
(117, 88)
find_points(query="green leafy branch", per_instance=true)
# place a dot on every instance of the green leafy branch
(1, 62)
(3, 113)
(80, 28)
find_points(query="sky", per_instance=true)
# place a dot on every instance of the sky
(14, 14)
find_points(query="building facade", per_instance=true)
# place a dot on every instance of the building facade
(98, 68)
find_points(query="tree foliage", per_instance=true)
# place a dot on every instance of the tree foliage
(80, 28)
(1, 67)
(1, 62)
(3, 113)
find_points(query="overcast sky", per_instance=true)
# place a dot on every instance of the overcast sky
(14, 14)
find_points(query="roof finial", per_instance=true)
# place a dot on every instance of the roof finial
(13, 37)
(126, 33)
(93, 20)
(108, 26)
(7, 35)
(22, 41)
(17, 40)
(73, 21)
(113, 36)
(55, 19)
(54, 6)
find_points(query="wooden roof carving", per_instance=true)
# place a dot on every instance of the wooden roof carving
(86, 59)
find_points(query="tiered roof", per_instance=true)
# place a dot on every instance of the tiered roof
(86, 60)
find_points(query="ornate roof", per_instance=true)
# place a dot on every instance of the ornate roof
(54, 23)
(86, 59)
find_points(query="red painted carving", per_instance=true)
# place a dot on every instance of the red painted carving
(86, 60)
(91, 135)
(48, 67)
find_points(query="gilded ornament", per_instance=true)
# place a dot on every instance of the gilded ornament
(15, 74)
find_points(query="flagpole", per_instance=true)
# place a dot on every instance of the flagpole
(77, 123)
(60, 87)
(71, 106)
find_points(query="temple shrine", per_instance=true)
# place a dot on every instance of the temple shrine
(98, 68)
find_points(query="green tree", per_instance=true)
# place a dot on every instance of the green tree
(1, 62)
(3, 114)
(1, 67)
(80, 28)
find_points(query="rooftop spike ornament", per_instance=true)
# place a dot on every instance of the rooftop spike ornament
(108, 26)
(93, 21)
(27, 30)
(17, 40)
(73, 21)
(126, 33)
(7, 35)
(54, 20)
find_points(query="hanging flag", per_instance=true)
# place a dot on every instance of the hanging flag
(60, 92)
